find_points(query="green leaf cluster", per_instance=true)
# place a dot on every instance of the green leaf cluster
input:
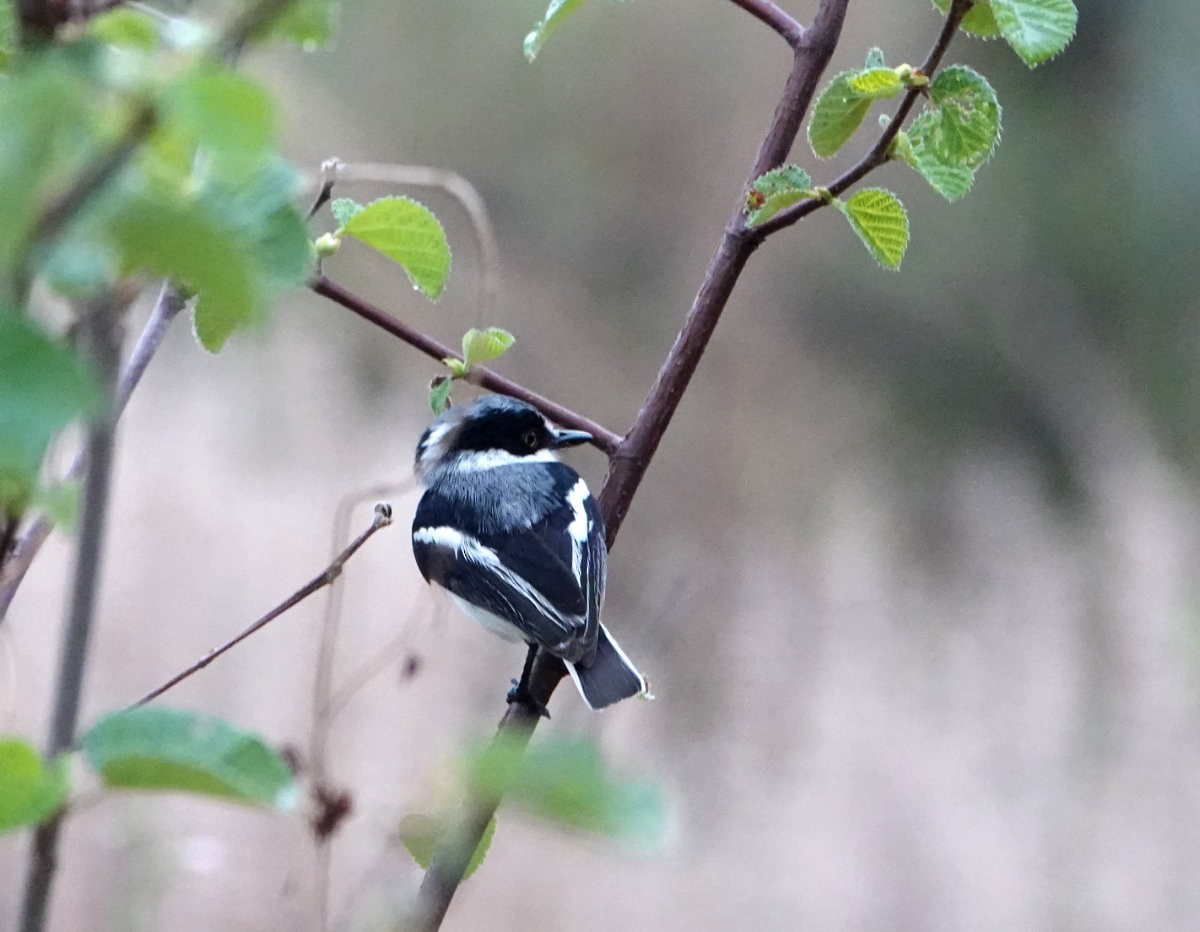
(478, 346)
(773, 191)
(1036, 30)
(148, 749)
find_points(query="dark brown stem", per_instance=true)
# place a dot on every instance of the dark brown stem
(779, 20)
(632, 457)
(383, 517)
(602, 437)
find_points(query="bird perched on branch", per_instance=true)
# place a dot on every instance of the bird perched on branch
(517, 540)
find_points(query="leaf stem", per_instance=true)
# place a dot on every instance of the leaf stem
(602, 437)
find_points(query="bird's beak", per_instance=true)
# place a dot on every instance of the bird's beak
(570, 438)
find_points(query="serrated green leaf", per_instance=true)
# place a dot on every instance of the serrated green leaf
(439, 393)
(950, 181)
(410, 235)
(343, 208)
(1036, 29)
(565, 781)
(134, 29)
(875, 83)
(968, 117)
(880, 221)
(773, 191)
(874, 58)
(420, 833)
(836, 115)
(31, 790)
(485, 345)
(170, 749)
(308, 23)
(43, 387)
(978, 22)
(231, 117)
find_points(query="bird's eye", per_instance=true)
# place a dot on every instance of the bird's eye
(530, 439)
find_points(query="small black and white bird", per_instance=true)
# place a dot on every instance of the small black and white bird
(517, 540)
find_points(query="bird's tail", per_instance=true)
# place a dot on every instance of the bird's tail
(609, 676)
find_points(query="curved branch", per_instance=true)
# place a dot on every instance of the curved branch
(779, 20)
(602, 437)
(632, 457)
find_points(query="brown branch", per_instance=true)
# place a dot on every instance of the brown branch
(879, 153)
(632, 458)
(383, 517)
(779, 20)
(602, 437)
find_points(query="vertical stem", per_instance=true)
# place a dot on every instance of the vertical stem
(101, 331)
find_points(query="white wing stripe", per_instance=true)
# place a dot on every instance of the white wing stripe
(578, 528)
(473, 550)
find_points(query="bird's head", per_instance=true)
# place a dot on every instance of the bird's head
(490, 431)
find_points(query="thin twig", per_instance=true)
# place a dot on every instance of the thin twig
(629, 462)
(602, 437)
(779, 20)
(383, 517)
(166, 308)
(103, 339)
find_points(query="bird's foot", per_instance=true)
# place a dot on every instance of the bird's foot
(520, 694)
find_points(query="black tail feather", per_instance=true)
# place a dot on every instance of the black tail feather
(609, 677)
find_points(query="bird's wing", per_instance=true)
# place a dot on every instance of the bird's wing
(546, 579)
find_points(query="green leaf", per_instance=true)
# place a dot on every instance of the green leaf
(126, 27)
(458, 368)
(874, 58)
(439, 393)
(556, 14)
(879, 219)
(343, 208)
(226, 113)
(169, 749)
(420, 833)
(30, 789)
(876, 83)
(43, 387)
(308, 23)
(409, 234)
(1036, 29)
(978, 21)
(44, 115)
(60, 503)
(968, 117)
(8, 34)
(565, 781)
(772, 192)
(485, 345)
(836, 115)
(950, 181)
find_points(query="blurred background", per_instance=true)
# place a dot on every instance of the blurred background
(914, 571)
